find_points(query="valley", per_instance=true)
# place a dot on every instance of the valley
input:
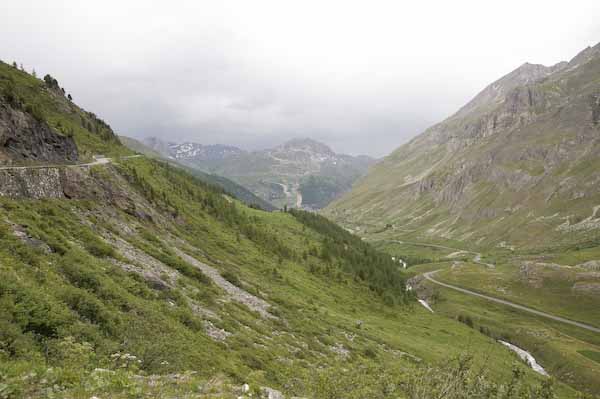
(299, 173)
(464, 264)
(125, 275)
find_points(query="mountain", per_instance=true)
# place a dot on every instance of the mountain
(517, 166)
(228, 185)
(298, 173)
(126, 276)
(194, 152)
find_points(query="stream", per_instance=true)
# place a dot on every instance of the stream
(526, 356)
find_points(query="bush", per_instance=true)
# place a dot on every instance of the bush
(458, 380)
(96, 246)
(232, 278)
(466, 319)
(370, 353)
(35, 111)
(78, 275)
(88, 307)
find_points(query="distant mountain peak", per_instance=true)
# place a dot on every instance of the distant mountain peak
(306, 144)
(585, 55)
(189, 150)
(495, 93)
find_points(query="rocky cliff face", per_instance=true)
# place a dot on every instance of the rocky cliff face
(51, 182)
(23, 138)
(513, 164)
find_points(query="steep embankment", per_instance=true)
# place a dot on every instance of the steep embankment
(518, 165)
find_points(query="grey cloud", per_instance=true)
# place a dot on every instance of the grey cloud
(360, 77)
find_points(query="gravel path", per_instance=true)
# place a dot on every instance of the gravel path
(97, 161)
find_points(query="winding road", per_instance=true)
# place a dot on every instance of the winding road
(98, 160)
(429, 276)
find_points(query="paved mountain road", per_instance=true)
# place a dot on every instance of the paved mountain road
(429, 276)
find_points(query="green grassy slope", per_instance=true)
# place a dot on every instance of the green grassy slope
(90, 298)
(158, 285)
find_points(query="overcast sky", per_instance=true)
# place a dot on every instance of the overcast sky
(361, 76)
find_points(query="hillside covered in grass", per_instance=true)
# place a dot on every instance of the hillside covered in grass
(133, 278)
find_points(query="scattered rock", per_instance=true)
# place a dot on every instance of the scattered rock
(340, 350)
(592, 222)
(587, 276)
(590, 265)
(151, 267)
(531, 274)
(587, 288)
(350, 336)
(21, 233)
(270, 393)
(214, 332)
(236, 293)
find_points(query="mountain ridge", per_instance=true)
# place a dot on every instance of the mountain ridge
(300, 172)
(480, 164)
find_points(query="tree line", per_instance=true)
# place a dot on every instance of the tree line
(352, 255)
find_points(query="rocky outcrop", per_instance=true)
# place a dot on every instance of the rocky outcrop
(31, 183)
(23, 138)
(590, 265)
(532, 273)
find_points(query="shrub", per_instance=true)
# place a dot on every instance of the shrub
(370, 353)
(458, 379)
(96, 246)
(466, 319)
(232, 278)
